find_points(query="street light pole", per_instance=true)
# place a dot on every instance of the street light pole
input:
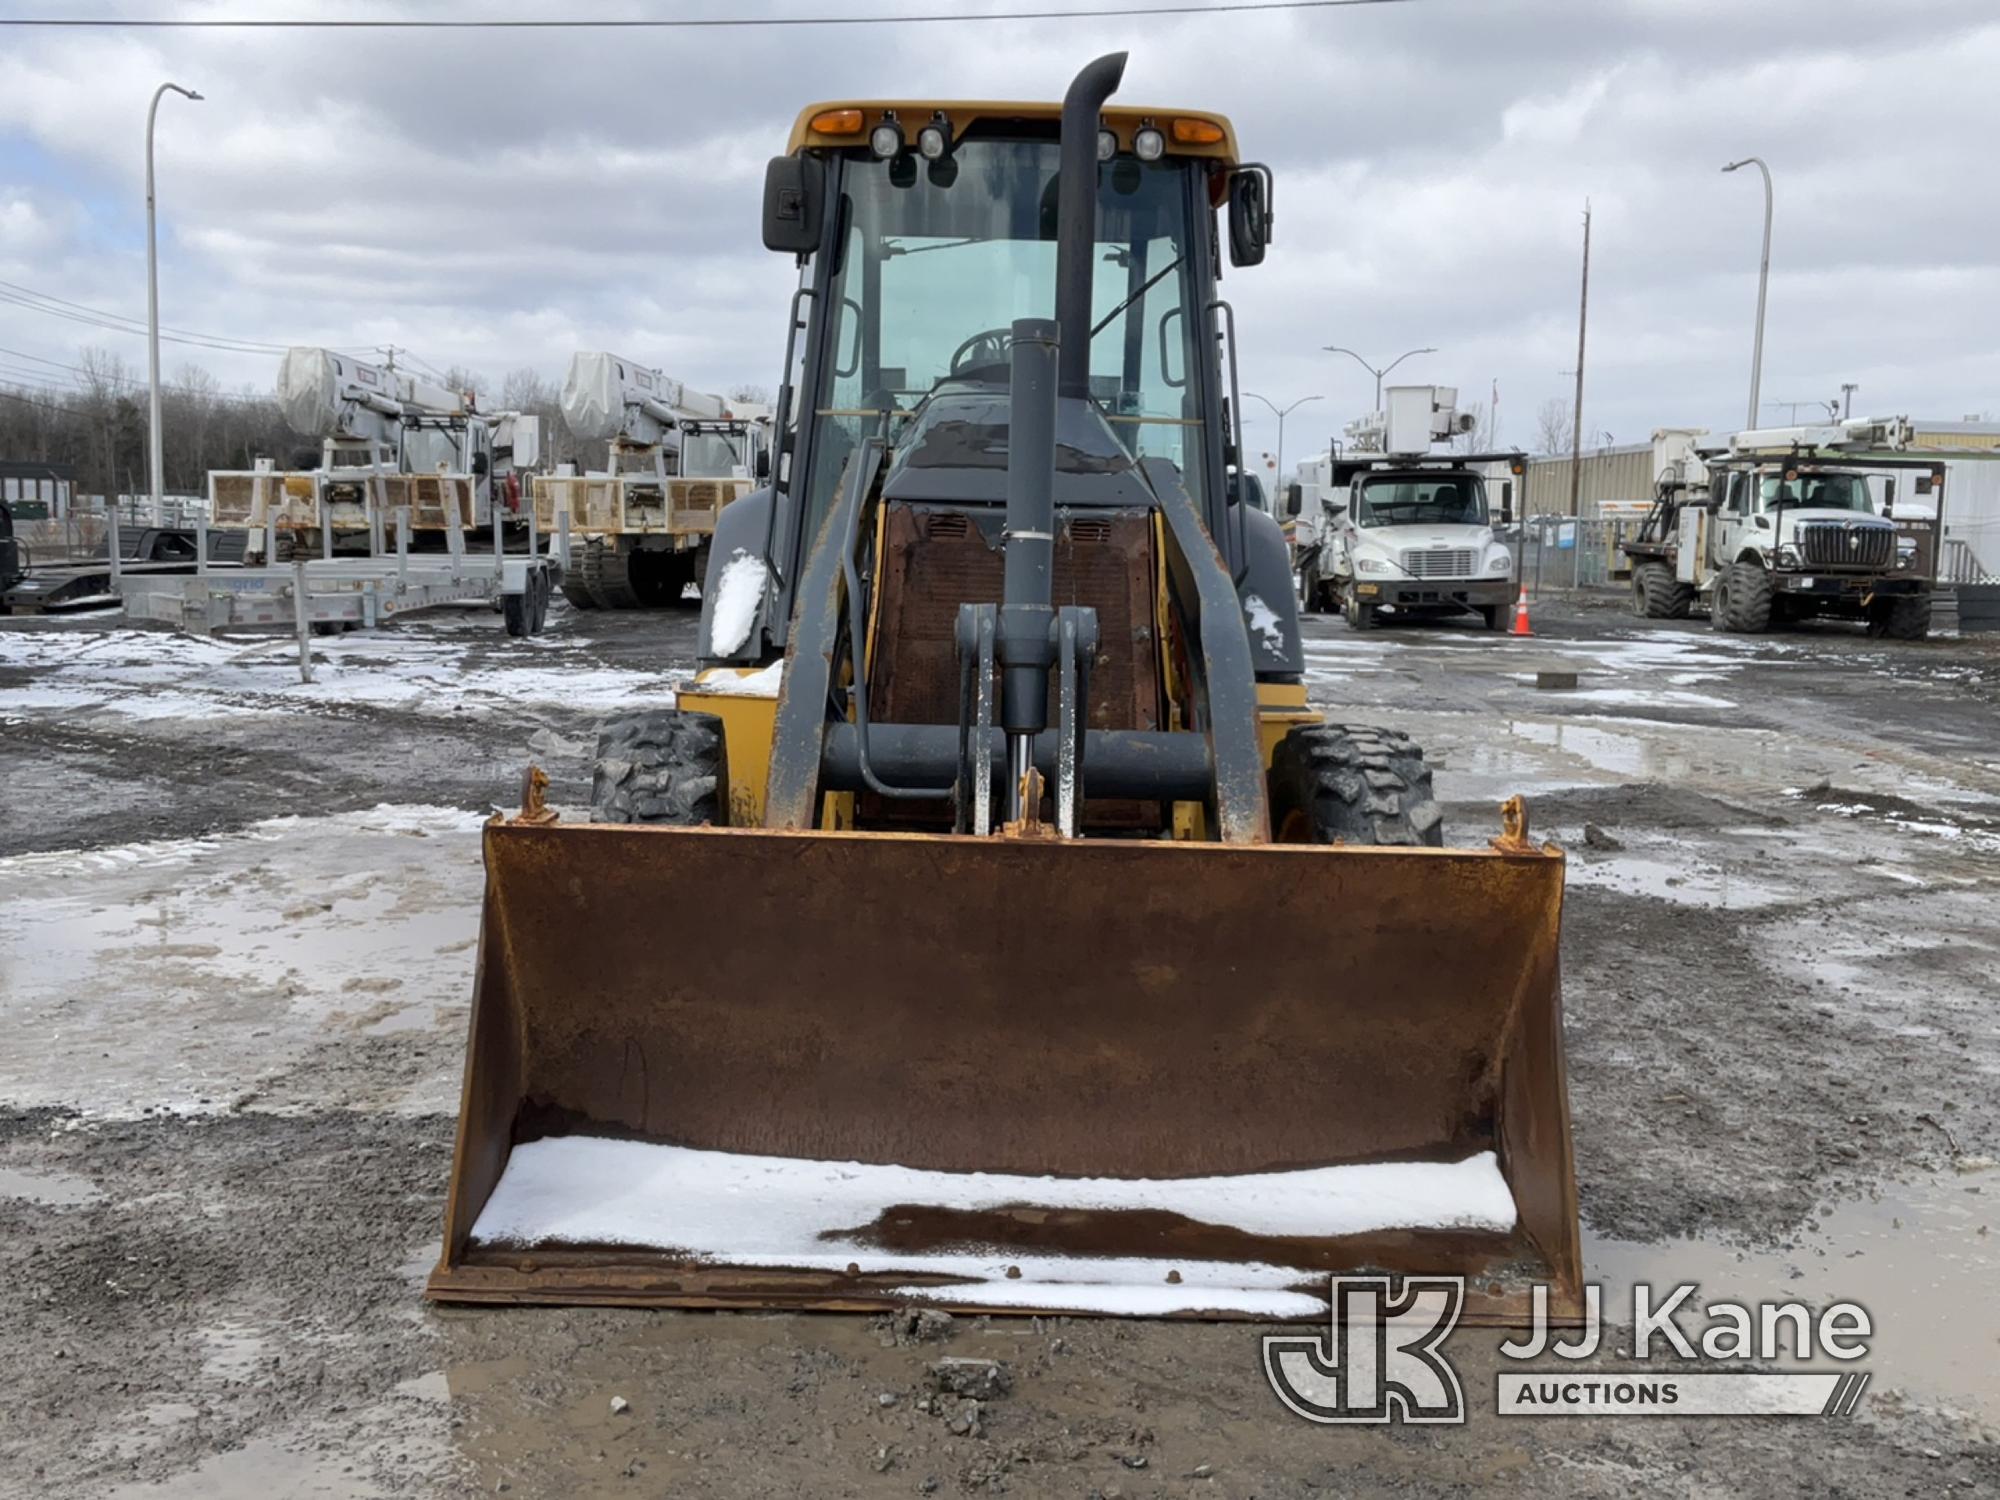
(1281, 414)
(155, 448)
(1378, 374)
(1763, 282)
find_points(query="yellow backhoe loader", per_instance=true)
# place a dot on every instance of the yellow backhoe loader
(991, 924)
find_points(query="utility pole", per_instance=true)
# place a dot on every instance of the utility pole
(155, 446)
(1576, 415)
(1847, 390)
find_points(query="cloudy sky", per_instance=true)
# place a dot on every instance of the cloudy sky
(499, 199)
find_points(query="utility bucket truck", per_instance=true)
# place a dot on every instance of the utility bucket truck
(677, 456)
(391, 446)
(1792, 523)
(991, 923)
(1387, 525)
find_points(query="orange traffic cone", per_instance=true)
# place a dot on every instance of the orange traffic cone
(1521, 626)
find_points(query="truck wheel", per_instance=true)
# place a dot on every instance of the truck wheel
(1902, 618)
(1742, 600)
(1350, 784)
(518, 610)
(1359, 616)
(660, 766)
(1493, 615)
(1312, 601)
(1657, 594)
(540, 589)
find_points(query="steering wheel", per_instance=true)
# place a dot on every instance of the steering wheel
(983, 349)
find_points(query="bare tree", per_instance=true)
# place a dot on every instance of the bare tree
(756, 395)
(1554, 426)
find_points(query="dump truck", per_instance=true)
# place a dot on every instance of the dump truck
(1792, 524)
(392, 448)
(991, 923)
(1401, 528)
(676, 456)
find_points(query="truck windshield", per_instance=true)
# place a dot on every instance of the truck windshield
(939, 259)
(1818, 492)
(715, 453)
(1432, 500)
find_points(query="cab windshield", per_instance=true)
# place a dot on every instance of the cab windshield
(715, 453)
(1817, 492)
(1441, 500)
(939, 259)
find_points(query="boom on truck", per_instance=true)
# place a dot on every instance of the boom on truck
(389, 443)
(1793, 523)
(676, 457)
(962, 933)
(1386, 523)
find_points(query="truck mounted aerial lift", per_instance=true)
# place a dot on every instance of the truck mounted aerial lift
(677, 456)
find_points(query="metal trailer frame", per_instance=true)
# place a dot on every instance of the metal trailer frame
(350, 592)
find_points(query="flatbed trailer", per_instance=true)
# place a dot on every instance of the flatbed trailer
(329, 594)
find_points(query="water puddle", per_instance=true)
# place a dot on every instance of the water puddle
(260, 1470)
(1680, 880)
(241, 952)
(1923, 1258)
(56, 1189)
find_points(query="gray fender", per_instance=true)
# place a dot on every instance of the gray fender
(1273, 622)
(740, 528)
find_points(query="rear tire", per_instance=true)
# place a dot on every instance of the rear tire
(1743, 597)
(661, 766)
(1309, 589)
(1658, 595)
(1349, 784)
(1902, 618)
(518, 610)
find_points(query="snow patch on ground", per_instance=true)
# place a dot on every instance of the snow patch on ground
(782, 1211)
(738, 595)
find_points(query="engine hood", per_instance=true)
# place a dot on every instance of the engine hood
(953, 448)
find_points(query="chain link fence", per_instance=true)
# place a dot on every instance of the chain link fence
(1568, 553)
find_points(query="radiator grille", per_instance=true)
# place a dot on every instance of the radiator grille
(1847, 544)
(1438, 562)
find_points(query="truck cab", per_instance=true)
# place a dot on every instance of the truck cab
(1400, 529)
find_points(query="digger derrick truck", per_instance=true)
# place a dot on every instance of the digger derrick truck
(390, 445)
(1401, 528)
(959, 936)
(1789, 524)
(677, 456)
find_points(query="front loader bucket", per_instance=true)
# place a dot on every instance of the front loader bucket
(732, 1068)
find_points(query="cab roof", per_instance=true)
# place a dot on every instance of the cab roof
(912, 114)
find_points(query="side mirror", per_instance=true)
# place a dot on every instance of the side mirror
(1249, 215)
(794, 203)
(480, 464)
(1888, 495)
(763, 466)
(1295, 500)
(1506, 502)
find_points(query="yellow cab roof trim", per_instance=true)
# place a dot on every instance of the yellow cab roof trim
(914, 114)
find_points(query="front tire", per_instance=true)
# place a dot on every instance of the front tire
(661, 766)
(1351, 784)
(1905, 617)
(1359, 616)
(1743, 598)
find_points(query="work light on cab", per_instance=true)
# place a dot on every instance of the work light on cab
(886, 140)
(934, 140)
(1149, 144)
(1107, 145)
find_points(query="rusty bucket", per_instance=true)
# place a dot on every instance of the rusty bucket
(725, 1067)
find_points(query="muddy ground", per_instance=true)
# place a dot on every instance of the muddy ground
(236, 920)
